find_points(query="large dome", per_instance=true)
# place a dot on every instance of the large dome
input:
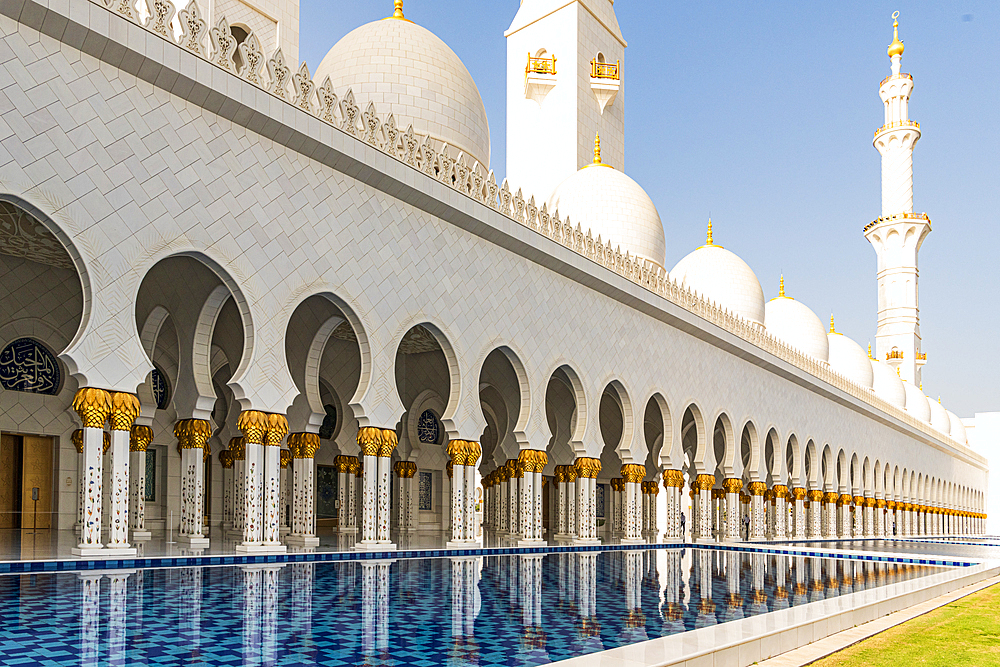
(721, 276)
(793, 322)
(407, 70)
(887, 384)
(916, 403)
(848, 359)
(957, 428)
(939, 417)
(612, 205)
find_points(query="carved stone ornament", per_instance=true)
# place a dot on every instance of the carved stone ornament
(93, 406)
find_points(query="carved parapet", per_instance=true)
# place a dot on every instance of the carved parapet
(93, 406)
(139, 438)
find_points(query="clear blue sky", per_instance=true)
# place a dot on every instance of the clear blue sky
(762, 115)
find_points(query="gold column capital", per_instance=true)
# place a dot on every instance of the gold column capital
(192, 433)
(673, 479)
(633, 473)
(124, 410)
(139, 438)
(277, 427)
(227, 458)
(732, 485)
(757, 488)
(253, 423)
(307, 444)
(107, 442)
(587, 467)
(450, 468)
(286, 458)
(456, 451)
(831, 497)
(705, 482)
(238, 447)
(798, 493)
(780, 491)
(815, 495)
(77, 439)
(93, 406)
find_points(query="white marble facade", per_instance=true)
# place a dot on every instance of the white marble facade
(271, 251)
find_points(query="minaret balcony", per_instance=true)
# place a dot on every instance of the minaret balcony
(902, 75)
(539, 78)
(921, 358)
(898, 217)
(897, 124)
(605, 81)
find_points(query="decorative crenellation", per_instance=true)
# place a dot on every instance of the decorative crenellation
(139, 438)
(417, 151)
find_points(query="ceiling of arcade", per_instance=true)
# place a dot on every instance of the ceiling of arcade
(21, 235)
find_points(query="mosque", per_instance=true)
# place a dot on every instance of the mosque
(249, 303)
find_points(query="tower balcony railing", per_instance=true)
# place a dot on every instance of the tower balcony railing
(898, 216)
(540, 65)
(902, 75)
(600, 70)
(895, 124)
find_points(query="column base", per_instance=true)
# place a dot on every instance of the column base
(463, 544)
(632, 540)
(302, 540)
(194, 541)
(350, 530)
(101, 552)
(284, 530)
(374, 546)
(141, 535)
(531, 543)
(261, 549)
(584, 541)
(233, 534)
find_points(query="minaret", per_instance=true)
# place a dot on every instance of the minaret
(898, 233)
(565, 84)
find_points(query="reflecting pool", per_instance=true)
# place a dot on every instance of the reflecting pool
(495, 610)
(972, 548)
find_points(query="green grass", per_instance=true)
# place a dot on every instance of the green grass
(965, 632)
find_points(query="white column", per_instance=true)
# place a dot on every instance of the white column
(93, 406)
(352, 494)
(228, 461)
(469, 529)
(303, 448)
(254, 425)
(457, 504)
(780, 511)
(757, 490)
(384, 510)
(140, 438)
(525, 505)
(815, 514)
(343, 524)
(283, 503)
(80, 475)
(90, 617)
(377, 446)
(368, 498)
(411, 502)
(239, 486)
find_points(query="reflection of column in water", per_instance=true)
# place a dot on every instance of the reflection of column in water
(90, 617)
(117, 614)
(781, 566)
(190, 617)
(588, 627)
(673, 591)
(369, 585)
(463, 611)
(758, 603)
(269, 617)
(252, 578)
(635, 620)
(533, 637)
(734, 601)
(800, 580)
(817, 590)
(303, 583)
(382, 610)
(701, 573)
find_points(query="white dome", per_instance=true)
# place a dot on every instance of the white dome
(793, 323)
(722, 277)
(612, 205)
(939, 417)
(887, 384)
(957, 428)
(848, 359)
(407, 70)
(916, 403)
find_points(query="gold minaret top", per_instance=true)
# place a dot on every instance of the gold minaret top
(398, 12)
(781, 286)
(832, 330)
(708, 237)
(896, 48)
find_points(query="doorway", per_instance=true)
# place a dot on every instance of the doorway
(25, 481)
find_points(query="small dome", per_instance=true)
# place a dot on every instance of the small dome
(939, 417)
(896, 47)
(887, 384)
(612, 205)
(957, 428)
(848, 359)
(793, 323)
(722, 277)
(407, 70)
(916, 403)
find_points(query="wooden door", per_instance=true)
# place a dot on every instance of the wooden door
(10, 480)
(36, 474)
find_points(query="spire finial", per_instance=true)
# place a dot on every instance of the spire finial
(896, 48)
(870, 351)
(781, 286)
(708, 239)
(832, 330)
(398, 13)
(597, 148)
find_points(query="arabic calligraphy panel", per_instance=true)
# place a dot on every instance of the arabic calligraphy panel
(161, 390)
(27, 365)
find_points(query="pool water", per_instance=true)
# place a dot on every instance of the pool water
(968, 548)
(495, 610)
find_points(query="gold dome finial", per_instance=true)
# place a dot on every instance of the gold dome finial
(708, 240)
(398, 12)
(870, 351)
(896, 48)
(781, 286)
(597, 148)
(921, 386)
(832, 330)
